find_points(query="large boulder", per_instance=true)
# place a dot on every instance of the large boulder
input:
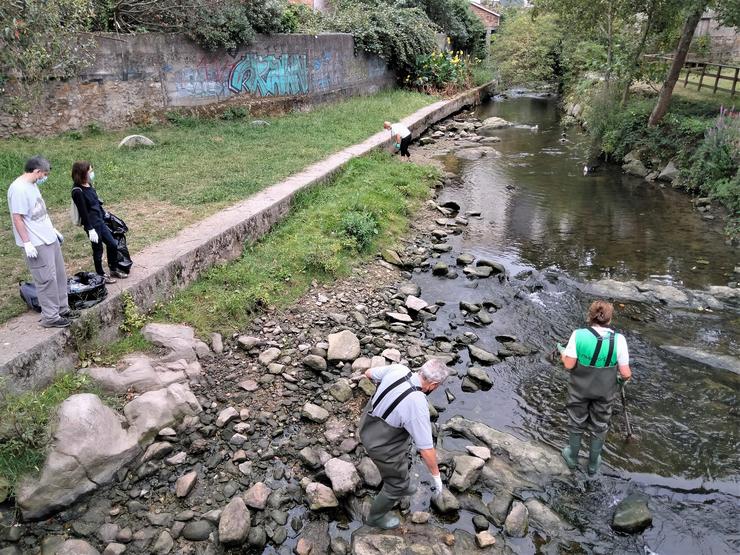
(137, 375)
(131, 141)
(90, 444)
(320, 496)
(517, 522)
(343, 346)
(155, 410)
(180, 340)
(76, 547)
(635, 167)
(669, 173)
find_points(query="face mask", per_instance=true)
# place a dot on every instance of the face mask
(91, 176)
(40, 180)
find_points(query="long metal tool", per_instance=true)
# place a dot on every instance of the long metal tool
(630, 434)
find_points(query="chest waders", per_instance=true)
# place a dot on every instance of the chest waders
(388, 447)
(592, 388)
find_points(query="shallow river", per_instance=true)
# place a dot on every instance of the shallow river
(540, 213)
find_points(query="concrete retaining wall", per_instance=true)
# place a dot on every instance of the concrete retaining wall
(31, 355)
(135, 77)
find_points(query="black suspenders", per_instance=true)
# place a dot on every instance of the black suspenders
(379, 397)
(600, 339)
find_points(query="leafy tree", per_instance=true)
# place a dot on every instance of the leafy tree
(40, 39)
(457, 21)
(527, 50)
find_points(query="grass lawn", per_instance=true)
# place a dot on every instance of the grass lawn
(197, 167)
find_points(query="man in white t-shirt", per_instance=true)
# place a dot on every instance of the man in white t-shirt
(40, 242)
(397, 412)
(401, 137)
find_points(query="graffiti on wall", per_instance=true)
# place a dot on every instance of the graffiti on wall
(322, 71)
(208, 78)
(270, 75)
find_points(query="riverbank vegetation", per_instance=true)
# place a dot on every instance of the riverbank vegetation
(161, 190)
(331, 229)
(595, 52)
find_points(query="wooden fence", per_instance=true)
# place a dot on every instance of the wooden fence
(707, 75)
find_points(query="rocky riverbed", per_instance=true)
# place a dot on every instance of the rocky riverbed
(266, 460)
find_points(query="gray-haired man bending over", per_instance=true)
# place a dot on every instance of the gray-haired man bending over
(399, 411)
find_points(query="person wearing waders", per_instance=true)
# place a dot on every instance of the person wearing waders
(401, 137)
(399, 411)
(598, 362)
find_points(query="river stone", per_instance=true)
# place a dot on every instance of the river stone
(367, 387)
(480, 272)
(420, 517)
(469, 307)
(669, 172)
(155, 410)
(440, 269)
(248, 342)
(132, 141)
(269, 355)
(110, 549)
(496, 123)
(369, 472)
(635, 167)
(336, 429)
(315, 363)
(409, 288)
(544, 518)
(320, 497)
(76, 547)
(415, 303)
(217, 343)
(468, 385)
(233, 527)
(177, 338)
(399, 317)
(164, 543)
(90, 444)
(314, 413)
(479, 451)
(481, 355)
(517, 521)
(467, 470)
(343, 346)
(490, 140)
(197, 530)
(186, 483)
(465, 259)
(480, 375)
(632, 515)
(341, 390)
(392, 257)
(343, 475)
(394, 355)
(310, 457)
(445, 503)
(361, 364)
(256, 496)
(226, 416)
(496, 267)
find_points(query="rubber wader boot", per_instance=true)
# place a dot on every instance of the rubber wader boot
(379, 515)
(570, 451)
(594, 456)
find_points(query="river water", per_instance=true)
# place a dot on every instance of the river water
(554, 227)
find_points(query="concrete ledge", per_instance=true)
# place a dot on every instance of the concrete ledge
(30, 356)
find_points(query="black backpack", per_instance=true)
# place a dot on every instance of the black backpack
(85, 289)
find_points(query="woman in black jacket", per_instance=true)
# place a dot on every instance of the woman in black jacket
(91, 213)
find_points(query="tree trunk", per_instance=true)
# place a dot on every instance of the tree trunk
(666, 91)
(610, 47)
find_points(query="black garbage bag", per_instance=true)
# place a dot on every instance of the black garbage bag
(118, 229)
(28, 294)
(85, 289)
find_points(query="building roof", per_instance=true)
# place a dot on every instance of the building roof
(481, 7)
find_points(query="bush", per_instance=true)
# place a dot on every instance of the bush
(361, 226)
(440, 71)
(457, 21)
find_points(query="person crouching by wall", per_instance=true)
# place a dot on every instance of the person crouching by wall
(401, 137)
(90, 209)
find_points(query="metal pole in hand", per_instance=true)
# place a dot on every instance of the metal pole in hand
(626, 414)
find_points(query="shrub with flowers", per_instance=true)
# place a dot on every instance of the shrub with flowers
(442, 71)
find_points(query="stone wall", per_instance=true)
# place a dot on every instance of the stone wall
(135, 76)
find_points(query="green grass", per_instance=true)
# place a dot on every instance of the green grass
(24, 425)
(315, 242)
(482, 74)
(197, 167)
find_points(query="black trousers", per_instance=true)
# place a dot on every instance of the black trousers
(111, 246)
(405, 142)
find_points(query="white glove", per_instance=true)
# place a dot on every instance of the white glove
(60, 237)
(93, 235)
(31, 251)
(437, 484)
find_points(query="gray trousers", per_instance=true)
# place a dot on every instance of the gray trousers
(591, 394)
(50, 278)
